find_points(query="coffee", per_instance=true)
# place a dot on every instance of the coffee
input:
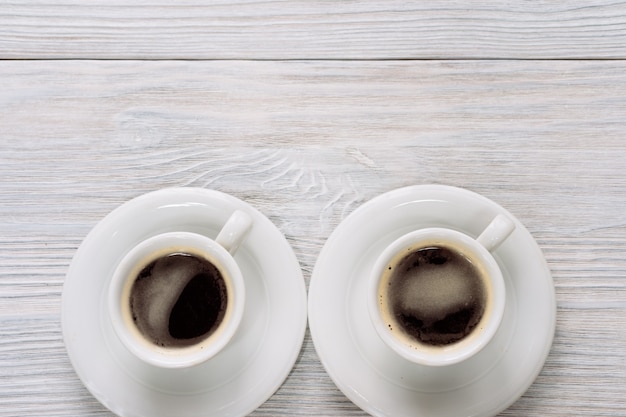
(433, 296)
(178, 299)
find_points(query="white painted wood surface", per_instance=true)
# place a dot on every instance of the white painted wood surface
(318, 29)
(306, 142)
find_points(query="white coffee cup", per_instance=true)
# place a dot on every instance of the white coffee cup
(436, 296)
(170, 261)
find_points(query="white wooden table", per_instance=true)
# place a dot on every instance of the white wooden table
(307, 110)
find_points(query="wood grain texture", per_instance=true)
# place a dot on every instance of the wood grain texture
(306, 143)
(288, 29)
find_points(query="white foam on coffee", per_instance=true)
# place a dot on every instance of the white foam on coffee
(168, 279)
(436, 292)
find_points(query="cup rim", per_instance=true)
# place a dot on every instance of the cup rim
(142, 254)
(466, 348)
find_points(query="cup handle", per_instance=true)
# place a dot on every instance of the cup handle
(234, 231)
(498, 230)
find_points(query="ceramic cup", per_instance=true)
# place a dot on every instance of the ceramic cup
(436, 296)
(176, 299)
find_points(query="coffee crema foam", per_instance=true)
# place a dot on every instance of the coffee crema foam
(178, 300)
(432, 296)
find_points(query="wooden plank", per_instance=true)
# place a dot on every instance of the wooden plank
(306, 143)
(289, 29)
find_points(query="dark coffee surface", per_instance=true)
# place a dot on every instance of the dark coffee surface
(436, 296)
(178, 299)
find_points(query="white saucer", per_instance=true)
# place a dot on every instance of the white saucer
(233, 383)
(370, 373)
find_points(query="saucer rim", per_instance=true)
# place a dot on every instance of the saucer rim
(292, 272)
(406, 194)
